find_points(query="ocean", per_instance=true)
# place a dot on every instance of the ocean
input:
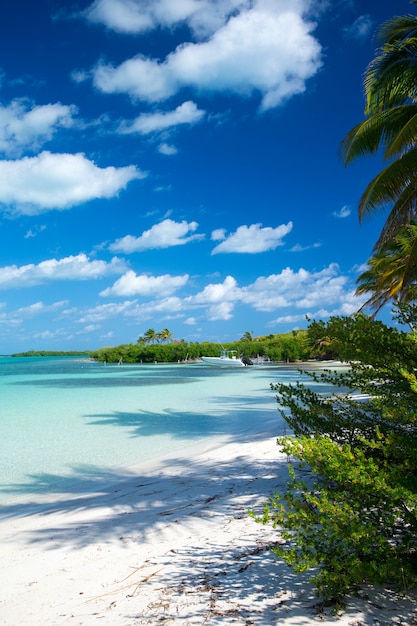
(71, 421)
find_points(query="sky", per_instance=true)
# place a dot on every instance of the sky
(176, 164)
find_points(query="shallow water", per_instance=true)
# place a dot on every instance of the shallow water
(63, 418)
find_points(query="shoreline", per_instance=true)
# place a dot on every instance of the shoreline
(171, 544)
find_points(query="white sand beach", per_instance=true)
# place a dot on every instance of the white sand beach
(172, 545)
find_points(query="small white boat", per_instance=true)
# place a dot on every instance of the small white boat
(227, 358)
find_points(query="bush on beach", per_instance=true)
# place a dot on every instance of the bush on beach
(350, 510)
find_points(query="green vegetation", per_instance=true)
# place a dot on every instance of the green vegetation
(389, 271)
(160, 347)
(353, 517)
(153, 347)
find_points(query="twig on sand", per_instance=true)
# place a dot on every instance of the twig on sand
(136, 585)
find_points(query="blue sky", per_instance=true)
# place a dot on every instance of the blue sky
(175, 164)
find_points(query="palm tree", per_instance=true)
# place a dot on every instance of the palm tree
(248, 336)
(150, 335)
(392, 272)
(391, 124)
(164, 335)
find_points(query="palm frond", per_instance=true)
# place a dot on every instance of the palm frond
(390, 77)
(390, 184)
(392, 129)
(402, 212)
(391, 272)
(409, 246)
(406, 136)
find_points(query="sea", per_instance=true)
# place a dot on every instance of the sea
(65, 422)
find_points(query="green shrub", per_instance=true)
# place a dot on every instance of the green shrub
(352, 518)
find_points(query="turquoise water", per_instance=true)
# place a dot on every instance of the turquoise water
(65, 418)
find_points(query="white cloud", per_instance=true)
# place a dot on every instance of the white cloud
(163, 235)
(38, 308)
(360, 28)
(24, 126)
(299, 248)
(219, 234)
(88, 329)
(343, 212)
(303, 289)
(80, 76)
(343, 308)
(130, 284)
(78, 267)
(221, 311)
(219, 300)
(186, 113)
(33, 185)
(328, 289)
(35, 231)
(167, 149)
(266, 48)
(130, 309)
(251, 239)
(359, 269)
(104, 312)
(47, 334)
(288, 319)
(318, 294)
(135, 16)
(217, 292)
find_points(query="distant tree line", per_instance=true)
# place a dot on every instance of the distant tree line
(161, 347)
(298, 345)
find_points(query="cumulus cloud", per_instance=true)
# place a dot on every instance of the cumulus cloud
(221, 311)
(33, 185)
(228, 290)
(25, 126)
(166, 234)
(320, 293)
(130, 309)
(219, 299)
(303, 289)
(251, 239)
(131, 284)
(78, 267)
(265, 47)
(135, 16)
(186, 113)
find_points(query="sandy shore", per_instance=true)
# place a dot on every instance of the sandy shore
(171, 546)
